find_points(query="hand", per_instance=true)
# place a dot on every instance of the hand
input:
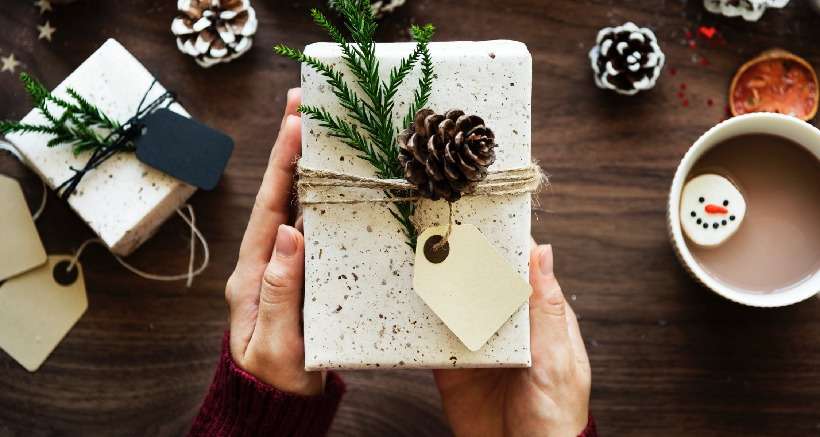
(264, 292)
(549, 399)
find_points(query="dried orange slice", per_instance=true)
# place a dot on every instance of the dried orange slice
(775, 81)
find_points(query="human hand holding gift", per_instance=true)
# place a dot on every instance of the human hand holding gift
(551, 398)
(265, 291)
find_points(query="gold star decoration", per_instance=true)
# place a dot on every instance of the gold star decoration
(9, 63)
(43, 5)
(46, 31)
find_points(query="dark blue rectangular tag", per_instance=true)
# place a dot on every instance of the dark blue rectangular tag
(184, 148)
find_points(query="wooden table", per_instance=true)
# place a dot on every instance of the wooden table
(669, 358)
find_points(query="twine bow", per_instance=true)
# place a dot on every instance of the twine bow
(123, 137)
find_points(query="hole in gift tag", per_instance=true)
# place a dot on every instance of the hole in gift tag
(434, 252)
(63, 275)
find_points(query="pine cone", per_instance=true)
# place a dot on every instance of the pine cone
(214, 31)
(446, 156)
(380, 7)
(750, 10)
(384, 7)
(626, 59)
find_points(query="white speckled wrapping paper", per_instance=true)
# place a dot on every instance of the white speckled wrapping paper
(123, 200)
(360, 309)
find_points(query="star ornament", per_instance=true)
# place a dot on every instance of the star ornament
(9, 63)
(43, 5)
(46, 31)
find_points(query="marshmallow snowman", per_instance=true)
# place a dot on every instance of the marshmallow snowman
(711, 210)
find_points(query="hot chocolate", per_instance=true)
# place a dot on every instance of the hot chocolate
(778, 244)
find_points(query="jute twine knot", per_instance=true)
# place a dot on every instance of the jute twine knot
(316, 186)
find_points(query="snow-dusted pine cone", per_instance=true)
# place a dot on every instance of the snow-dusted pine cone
(380, 7)
(384, 7)
(214, 31)
(446, 156)
(750, 10)
(626, 59)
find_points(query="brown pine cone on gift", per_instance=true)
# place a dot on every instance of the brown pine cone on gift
(214, 31)
(446, 156)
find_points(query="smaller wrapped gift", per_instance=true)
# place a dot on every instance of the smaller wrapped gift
(123, 200)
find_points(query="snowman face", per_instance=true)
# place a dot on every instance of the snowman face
(712, 209)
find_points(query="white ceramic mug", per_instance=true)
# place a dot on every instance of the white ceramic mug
(756, 123)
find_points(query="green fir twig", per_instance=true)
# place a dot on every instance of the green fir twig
(81, 125)
(368, 126)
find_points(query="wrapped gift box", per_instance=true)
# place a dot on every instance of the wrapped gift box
(360, 309)
(123, 200)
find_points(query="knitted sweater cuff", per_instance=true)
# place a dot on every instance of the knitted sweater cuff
(591, 430)
(239, 404)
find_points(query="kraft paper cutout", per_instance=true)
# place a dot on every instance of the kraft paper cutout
(36, 311)
(473, 289)
(20, 246)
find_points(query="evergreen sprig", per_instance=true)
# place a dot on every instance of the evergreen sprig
(368, 126)
(81, 125)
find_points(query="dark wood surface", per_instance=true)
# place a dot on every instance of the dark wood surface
(669, 358)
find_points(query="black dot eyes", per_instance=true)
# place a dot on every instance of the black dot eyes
(701, 200)
(725, 203)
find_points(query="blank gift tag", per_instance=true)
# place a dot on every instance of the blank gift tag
(184, 148)
(38, 308)
(20, 246)
(469, 286)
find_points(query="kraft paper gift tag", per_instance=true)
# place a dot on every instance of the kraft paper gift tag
(38, 308)
(469, 286)
(21, 249)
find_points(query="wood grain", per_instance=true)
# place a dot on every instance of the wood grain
(669, 358)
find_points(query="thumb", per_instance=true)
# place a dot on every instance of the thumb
(548, 313)
(280, 298)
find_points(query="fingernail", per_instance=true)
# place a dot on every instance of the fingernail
(290, 93)
(545, 260)
(285, 242)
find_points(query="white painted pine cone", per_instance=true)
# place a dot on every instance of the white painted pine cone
(626, 59)
(382, 7)
(750, 10)
(214, 31)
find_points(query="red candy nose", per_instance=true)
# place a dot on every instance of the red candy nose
(716, 209)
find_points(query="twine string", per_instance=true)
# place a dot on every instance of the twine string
(317, 186)
(189, 276)
(438, 246)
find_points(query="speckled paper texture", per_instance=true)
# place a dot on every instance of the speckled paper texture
(123, 200)
(360, 309)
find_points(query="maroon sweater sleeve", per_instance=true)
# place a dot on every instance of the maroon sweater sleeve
(591, 430)
(238, 404)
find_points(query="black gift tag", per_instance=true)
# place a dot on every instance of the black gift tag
(184, 148)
